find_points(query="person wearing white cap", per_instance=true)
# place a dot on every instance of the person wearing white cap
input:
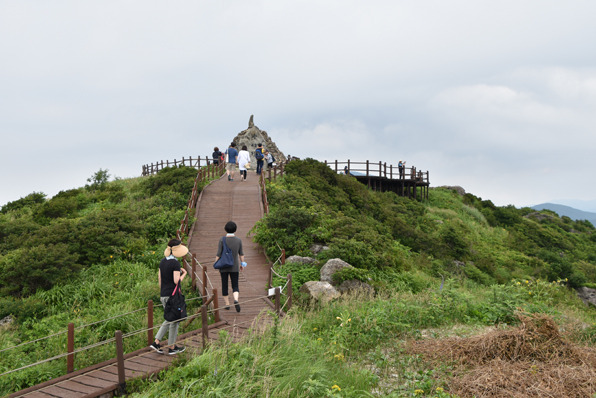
(170, 274)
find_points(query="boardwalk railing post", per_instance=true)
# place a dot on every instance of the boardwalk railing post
(205, 324)
(270, 277)
(193, 277)
(277, 301)
(216, 305)
(283, 256)
(289, 291)
(70, 347)
(204, 290)
(120, 361)
(149, 322)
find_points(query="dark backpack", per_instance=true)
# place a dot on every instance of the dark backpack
(227, 257)
(272, 158)
(175, 307)
(259, 154)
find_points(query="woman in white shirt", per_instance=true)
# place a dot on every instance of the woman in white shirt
(243, 160)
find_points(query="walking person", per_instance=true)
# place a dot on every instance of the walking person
(231, 273)
(232, 156)
(170, 275)
(259, 156)
(269, 159)
(216, 156)
(243, 162)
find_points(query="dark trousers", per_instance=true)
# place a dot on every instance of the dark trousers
(259, 166)
(224, 282)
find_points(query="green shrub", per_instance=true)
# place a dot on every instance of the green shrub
(347, 274)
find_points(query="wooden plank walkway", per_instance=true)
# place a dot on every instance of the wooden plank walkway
(220, 202)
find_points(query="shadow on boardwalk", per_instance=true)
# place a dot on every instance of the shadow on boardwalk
(221, 201)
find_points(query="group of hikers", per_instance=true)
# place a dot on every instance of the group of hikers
(171, 273)
(241, 159)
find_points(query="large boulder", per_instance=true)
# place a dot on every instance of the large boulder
(588, 295)
(300, 260)
(354, 286)
(320, 291)
(331, 267)
(316, 248)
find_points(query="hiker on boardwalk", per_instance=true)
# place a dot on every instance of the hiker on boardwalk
(259, 156)
(401, 166)
(232, 159)
(243, 162)
(269, 159)
(169, 275)
(232, 273)
(217, 155)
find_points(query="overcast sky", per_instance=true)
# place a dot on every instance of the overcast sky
(498, 97)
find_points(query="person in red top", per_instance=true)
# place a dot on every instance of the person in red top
(169, 275)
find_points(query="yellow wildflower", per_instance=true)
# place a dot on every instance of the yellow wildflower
(418, 392)
(336, 387)
(440, 389)
(314, 329)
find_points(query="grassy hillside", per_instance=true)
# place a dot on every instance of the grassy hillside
(450, 266)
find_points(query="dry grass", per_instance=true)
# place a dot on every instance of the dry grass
(531, 360)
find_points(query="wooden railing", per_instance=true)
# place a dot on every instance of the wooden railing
(380, 169)
(152, 168)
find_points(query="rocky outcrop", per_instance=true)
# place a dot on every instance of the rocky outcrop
(252, 137)
(320, 291)
(354, 286)
(455, 188)
(300, 260)
(316, 248)
(331, 267)
(588, 295)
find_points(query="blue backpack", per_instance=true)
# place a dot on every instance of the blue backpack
(259, 154)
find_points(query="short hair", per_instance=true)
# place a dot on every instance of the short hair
(216, 149)
(260, 145)
(233, 144)
(174, 242)
(230, 227)
(244, 148)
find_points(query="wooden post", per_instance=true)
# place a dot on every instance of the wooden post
(120, 361)
(204, 326)
(336, 165)
(150, 322)
(367, 173)
(193, 277)
(277, 301)
(270, 277)
(70, 344)
(283, 256)
(289, 291)
(204, 290)
(349, 165)
(216, 305)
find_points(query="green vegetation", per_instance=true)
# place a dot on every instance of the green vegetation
(452, 265)
(85, 255)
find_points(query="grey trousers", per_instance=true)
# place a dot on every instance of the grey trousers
(167, 327)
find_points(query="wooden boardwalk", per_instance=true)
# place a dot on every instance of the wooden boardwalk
(221, 201)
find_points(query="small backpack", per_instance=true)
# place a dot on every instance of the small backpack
(272, 158)
(259, 154)
(175, 307)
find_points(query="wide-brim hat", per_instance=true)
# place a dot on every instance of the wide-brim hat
(176, 251)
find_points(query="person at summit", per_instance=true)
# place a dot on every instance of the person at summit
(216, 155)
(243, 161)
(259, 156)
(232, 156)
(170, 274)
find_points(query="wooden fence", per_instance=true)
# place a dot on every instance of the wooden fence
(198, 162)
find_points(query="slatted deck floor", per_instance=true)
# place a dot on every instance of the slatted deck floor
(219, 203)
